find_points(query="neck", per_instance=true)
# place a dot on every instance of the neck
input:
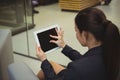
(92, 42)
(96, 44)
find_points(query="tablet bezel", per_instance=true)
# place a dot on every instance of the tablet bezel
(42, 30)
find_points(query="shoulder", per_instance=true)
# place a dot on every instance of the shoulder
(87, 61)
(91, 63)
(91, 66)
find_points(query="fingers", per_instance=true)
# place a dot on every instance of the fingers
(59, 32)
(55, 37)
(53, 41)
(40, 54)
(59, 38)
(37, 51)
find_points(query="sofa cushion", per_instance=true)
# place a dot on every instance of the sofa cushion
(20, 71)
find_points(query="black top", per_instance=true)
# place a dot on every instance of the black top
(83, 67)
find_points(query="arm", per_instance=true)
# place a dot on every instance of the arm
(71, 53)
(48, 70)
(70, 72)
(46, 66)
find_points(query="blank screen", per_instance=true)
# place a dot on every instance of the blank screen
(44, 39)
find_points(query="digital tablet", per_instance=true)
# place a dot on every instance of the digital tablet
(43, 38)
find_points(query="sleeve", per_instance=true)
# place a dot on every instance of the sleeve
(71, 53)
(70, 73)
(48, 70)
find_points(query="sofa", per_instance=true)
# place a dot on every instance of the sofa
(9, 70)
(21, 71)
(6, 53)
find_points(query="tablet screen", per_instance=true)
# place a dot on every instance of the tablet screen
(44, 39)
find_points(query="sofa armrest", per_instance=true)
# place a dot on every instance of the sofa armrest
(6, 53)
(20, 71)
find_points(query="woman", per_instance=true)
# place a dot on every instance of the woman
(100, 62)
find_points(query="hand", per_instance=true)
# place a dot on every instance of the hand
(41, 55)
(60, 42)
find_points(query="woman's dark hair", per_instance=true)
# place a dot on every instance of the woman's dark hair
(94, 21)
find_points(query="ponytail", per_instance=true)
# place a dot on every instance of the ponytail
(111, 49)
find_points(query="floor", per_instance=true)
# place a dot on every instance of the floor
(50, 15)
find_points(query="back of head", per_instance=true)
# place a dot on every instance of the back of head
(94, 21)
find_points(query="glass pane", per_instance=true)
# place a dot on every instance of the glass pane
(12, 15)
(16, 15)
(9, 11)
(28, 21)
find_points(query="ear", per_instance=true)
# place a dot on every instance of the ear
(85, 36)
